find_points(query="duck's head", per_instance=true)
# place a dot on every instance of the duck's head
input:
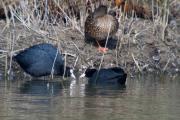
(119, 3)
(100, 11)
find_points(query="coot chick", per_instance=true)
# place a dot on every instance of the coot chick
(98, 24)
(42, 60)
(109, 76)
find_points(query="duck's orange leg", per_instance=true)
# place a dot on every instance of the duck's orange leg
(101, 49)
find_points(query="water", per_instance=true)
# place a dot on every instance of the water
(145, 97)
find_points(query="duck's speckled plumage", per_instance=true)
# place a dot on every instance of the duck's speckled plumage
(99, 23)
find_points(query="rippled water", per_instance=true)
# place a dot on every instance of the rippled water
(145, 97)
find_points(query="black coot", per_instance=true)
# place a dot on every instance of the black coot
(41, 59)
(109, 76)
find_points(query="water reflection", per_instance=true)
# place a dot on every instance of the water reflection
(77, 88)
(146, 97)
(106, 90)
(0, 75)
(43, 87)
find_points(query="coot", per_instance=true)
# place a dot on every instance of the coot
(42, 60)
(98, 24)
(106, 76)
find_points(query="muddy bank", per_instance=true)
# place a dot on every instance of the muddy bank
(140, 50)
(140, 45)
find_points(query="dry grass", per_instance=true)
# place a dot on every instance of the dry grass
(142, 44)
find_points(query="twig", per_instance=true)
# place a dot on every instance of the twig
(65, 63)
(2, 56)
(69, 54)
(52, 70)
(136, 62)
(102, 58)
(75, 61)
(3, 51)
(166, 64)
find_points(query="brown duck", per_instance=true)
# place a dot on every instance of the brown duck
(99, 24)
(128, 6)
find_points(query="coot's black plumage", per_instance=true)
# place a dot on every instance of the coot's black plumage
(38, 61)
(109, 76)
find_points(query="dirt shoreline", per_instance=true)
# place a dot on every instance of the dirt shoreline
(134, 54)
(139, 45)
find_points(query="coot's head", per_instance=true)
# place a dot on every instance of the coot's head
(69, 72)
(122, 80)
(88, 73)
